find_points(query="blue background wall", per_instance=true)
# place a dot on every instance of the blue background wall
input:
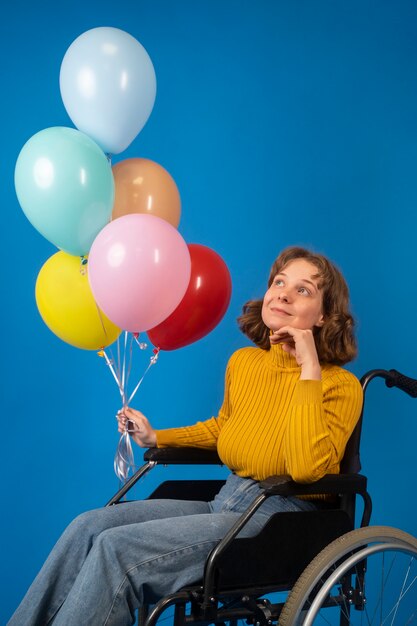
(282, 122)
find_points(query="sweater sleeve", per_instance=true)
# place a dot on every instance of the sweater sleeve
(322, 417)
(202, 434)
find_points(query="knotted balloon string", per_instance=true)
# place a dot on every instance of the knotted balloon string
(124, 460)
(83, 265)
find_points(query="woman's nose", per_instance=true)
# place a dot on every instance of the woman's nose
(283, 296)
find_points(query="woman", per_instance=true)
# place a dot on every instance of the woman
(288, 408)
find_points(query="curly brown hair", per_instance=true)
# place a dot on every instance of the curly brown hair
(335, 340)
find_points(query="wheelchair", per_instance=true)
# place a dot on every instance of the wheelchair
(302, 568)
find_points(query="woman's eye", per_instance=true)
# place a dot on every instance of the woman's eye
(304, 291)
(278, 282)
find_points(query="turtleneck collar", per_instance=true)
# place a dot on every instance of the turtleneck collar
(277, 358)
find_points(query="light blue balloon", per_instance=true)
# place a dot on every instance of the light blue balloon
(108, 86)
(65, 187)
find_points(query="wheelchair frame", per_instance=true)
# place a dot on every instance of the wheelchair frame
(224, 597)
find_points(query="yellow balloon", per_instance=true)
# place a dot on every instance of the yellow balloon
(67, 306)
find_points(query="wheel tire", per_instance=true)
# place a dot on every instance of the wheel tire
(329, 556)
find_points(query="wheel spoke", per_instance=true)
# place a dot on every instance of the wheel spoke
(403, 593)
(379, 605)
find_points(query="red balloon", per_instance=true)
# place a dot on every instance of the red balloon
(203, 306)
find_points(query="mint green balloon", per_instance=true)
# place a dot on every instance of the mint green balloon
(65, 187)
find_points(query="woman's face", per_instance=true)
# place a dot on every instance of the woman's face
(294, 299)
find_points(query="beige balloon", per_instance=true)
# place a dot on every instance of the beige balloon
(143, 186)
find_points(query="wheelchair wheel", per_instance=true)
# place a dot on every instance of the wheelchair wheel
(367, 576)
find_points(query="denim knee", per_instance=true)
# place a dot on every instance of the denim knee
(84, 525)
(81, 522)
(106, 543)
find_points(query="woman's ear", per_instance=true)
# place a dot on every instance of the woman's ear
(320, 322)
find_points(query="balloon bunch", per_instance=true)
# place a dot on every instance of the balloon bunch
(122, 263)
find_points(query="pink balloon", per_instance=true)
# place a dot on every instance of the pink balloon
(139, 268)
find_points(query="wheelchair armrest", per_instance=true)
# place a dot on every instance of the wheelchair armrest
(167, 456)
(182, 456)
(334, 484)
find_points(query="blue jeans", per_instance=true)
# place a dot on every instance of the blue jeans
(110, 561)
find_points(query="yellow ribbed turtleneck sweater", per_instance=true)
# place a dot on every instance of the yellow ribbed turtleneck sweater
(271, 422)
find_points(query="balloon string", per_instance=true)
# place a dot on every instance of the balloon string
(129, 367)
(124, 369)
(152, 361)
(116, 378)
(124, 459)
(100, 317)
(141, 344)
(116, 367)
(118, 355)
(113, 362)
(123, 380)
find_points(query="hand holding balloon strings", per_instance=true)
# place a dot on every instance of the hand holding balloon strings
(134, 422)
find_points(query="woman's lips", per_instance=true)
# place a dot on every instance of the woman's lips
(279, 311)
